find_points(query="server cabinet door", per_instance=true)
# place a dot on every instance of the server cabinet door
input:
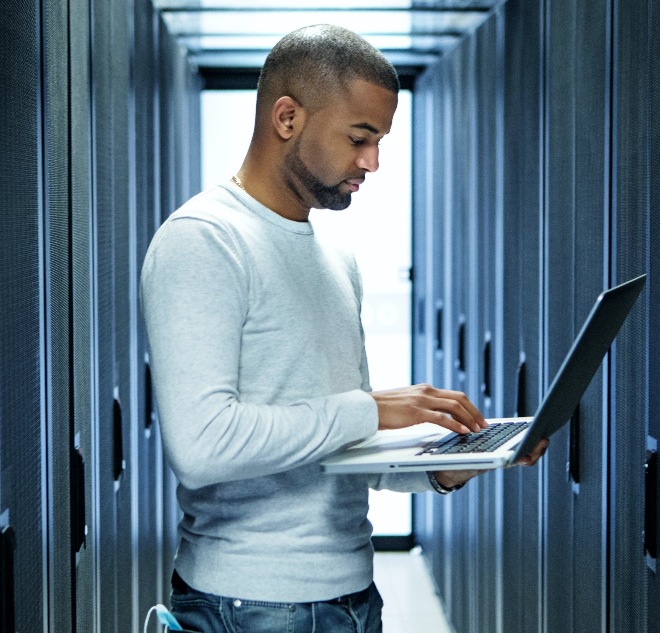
(631, 213)
(442, 314)
(126, 375)
(487, 288)
(111, 415)
(85, 604)
(433, 260)
(23, 508)
(585, 462)
(57, 309)
(521, 300)
(652, 509)
(577, 208)
(424, 248)
(422, 144)
(459, 302)
(147, 453)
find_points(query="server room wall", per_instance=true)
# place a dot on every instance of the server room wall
(536, 184)
(99, 106)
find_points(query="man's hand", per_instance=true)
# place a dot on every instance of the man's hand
(450, 478)
(399, 408)
(535, 455)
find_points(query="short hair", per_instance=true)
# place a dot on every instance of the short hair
(316, 62)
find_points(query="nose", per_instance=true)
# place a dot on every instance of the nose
(368, 158)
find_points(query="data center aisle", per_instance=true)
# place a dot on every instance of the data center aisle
(411, 603)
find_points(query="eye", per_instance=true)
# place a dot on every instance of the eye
(356, 141)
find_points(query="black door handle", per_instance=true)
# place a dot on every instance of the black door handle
(573, 468)
(651, 506)
(7, 608)
(118, 440)
(486, 382)
(149, 412)
(439, 323)
(78, 524)
(459, 363)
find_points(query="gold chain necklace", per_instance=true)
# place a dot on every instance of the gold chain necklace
(238, 182)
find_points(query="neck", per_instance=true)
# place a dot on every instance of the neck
(266, 185)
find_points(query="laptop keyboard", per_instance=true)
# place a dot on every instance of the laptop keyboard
(483, 441)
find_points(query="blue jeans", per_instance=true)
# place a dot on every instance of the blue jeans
(199, 612)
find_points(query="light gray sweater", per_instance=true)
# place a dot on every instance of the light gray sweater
(259, 370)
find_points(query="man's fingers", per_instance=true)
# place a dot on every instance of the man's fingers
(447, 421)
(536, 454)
(468, 420)
(459, 406)
(408, 406)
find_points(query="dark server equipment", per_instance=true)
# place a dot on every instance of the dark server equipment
(633, 210)
(86, 504)
(652, 476)
(544, 204)
(577, 154)
(23, 447)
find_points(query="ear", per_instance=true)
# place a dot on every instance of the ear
(288, 117)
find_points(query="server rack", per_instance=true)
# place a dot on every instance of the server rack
(23, 447)
(569, 545)
(82, 481)
(631, 249)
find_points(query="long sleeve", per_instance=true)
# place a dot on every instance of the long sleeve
(198, 291)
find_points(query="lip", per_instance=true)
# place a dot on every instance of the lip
(354, 183)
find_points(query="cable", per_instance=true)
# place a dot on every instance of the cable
(165, 617)
(146, 620)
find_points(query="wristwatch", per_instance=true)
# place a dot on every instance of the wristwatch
(443, 490)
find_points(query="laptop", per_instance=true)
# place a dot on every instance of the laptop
(424, 447)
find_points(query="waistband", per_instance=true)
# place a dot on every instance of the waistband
(181, 586)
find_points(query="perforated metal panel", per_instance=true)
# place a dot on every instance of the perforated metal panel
(58, 309)
(487, 236)
(106, 104)
(424, 341)
(71, 351)
(522, 262)
(629, 380)
(149, 477)
(85, 598)
(577, 214)
(124, 315)
(460, 83)
(653, 588)
(580, 135)
(22, 423)
(587, 450)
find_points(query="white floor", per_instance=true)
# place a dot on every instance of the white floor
(411, 604)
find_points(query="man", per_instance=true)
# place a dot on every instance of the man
(258, 359)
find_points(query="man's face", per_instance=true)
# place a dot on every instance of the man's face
(338, 145)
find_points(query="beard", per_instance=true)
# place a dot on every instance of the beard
(326, 197)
